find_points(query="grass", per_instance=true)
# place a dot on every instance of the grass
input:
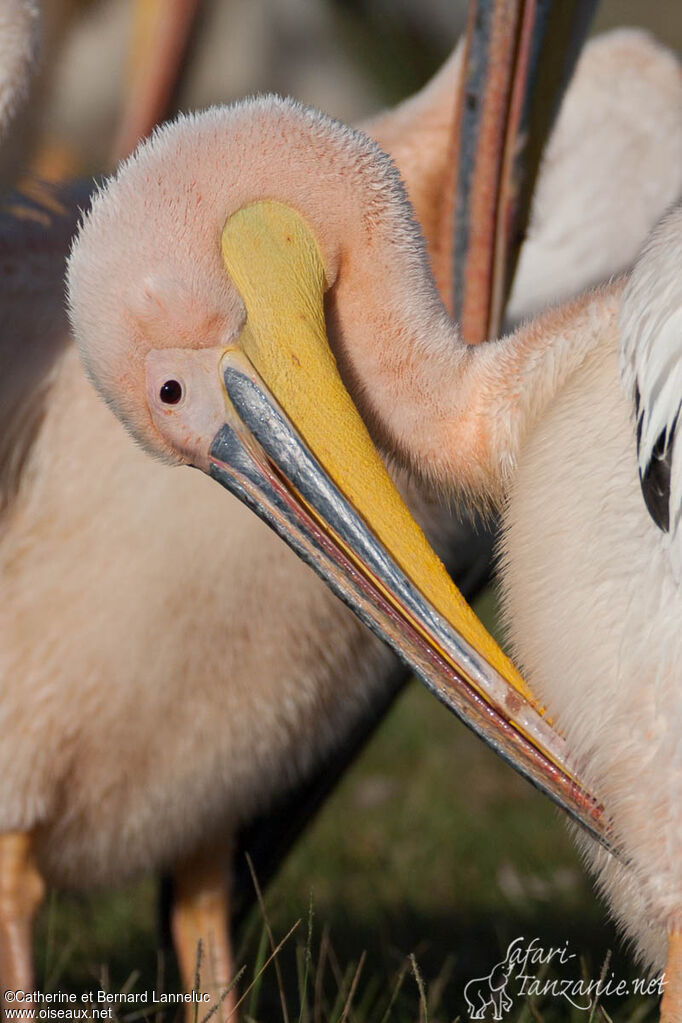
(429, 859)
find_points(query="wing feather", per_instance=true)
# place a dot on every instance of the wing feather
(651, 360)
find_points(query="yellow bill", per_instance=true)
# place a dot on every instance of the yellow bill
(295, 448)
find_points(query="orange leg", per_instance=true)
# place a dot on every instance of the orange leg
(22, 890)
(671, 1003)
(200, 918)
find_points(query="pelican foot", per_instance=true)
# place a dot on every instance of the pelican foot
(22, 890)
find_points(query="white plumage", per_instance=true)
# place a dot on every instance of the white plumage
(19, 39)
(599, 110)
(593, 607)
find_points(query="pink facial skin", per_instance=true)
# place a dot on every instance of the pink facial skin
(186, 399)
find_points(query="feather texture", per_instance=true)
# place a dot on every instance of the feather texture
(650, 362)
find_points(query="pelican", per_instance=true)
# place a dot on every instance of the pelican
(214, 720)
(111, 664)
(217, 357)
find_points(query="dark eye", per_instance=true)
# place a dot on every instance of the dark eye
(171, 392)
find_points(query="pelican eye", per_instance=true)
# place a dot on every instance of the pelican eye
(171, 392)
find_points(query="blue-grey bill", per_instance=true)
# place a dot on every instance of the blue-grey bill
(259, 456)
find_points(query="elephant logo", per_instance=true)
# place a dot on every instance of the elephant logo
(490, 992)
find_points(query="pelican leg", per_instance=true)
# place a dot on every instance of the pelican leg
(200, 925)
(22, 890)
(671, 1003)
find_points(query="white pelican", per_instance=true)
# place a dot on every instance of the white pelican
(208, 740)
(535, 423)
(202, 756)
(110, 662)
(19, 45)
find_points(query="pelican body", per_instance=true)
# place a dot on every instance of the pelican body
(592, 602)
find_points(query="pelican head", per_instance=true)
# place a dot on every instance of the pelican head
(168, 287)
(243, 272)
